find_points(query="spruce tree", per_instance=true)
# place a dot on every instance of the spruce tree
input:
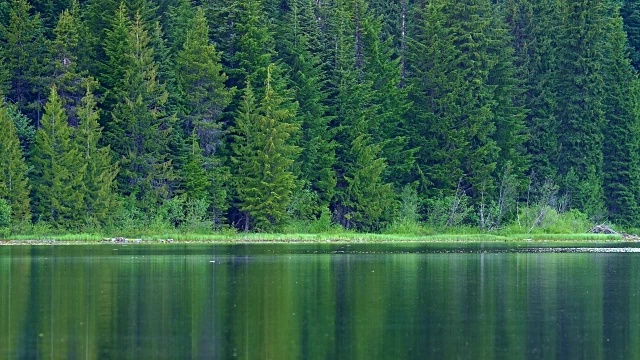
(622, 107)
(299, 46)
(454, 105)
(201, 84)
(631, 15)
(534, 27)
(203, 99)
(67, 75)
(263, 156)
(99, 177)
(24, 49)
(58, 169)
(116, 62)
(14, 185)
(580, 109)
(389, 127)
(140, 130)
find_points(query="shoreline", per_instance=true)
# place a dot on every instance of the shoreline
(351, 238)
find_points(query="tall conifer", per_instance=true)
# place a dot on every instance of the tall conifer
(622, 106)
(139, 131)
(58, 169)
(99, 177)
(263, 156)
(14, 185)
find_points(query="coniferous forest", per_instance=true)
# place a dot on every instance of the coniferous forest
(370, 115)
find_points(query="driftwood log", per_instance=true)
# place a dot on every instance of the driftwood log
(605, 229)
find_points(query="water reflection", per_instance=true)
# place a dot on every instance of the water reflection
(286, 302)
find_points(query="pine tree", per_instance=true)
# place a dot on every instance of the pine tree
(24, 49)
(58, 169)
(67, 76)
(99, 177)
(580, 104)
(201, 84)
(454, 106)
(299, 46)
(203, 99)
(534, 26)
(383, 69)
(140, 130)
(631, 15)
(263, 156)
(622, 105)
(363, 198)
(14, 185)
(255, 46)
(112, 69)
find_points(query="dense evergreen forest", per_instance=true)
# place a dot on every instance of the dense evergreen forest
(364, 114)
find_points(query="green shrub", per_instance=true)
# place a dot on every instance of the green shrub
(5, 214)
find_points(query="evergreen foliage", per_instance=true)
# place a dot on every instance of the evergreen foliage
(262, 113)
(99, 177)
(58, 169)
(580, 112)
(14, 185)
(139, 131)
(263, 156)
(24, 49)
(622, 132)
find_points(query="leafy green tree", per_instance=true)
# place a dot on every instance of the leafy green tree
(140, 130)
(622, 105)
(99, 177)
(58, 169)
(24, 49)
(263, 157)
(14, 185)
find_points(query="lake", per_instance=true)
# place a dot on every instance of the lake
(309, 301)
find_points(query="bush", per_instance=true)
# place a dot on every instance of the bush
(5, 214)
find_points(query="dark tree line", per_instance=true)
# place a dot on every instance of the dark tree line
(255, 113)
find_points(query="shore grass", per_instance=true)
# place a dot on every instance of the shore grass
(347, 237)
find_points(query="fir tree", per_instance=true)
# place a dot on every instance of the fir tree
(534, 26)
(99, 177)
(255, 46)
(58, 169)
(67, 75)
(24, 49)
(631, 14)
(116, 62)
(622, 158)
(14, 186)
(363, 198)
(140, 130)
(203, 99)
(454, 104)
(263, 156)
(580, 104)
(299, 49)
(201, 83)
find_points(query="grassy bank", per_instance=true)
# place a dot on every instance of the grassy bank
(302, 238)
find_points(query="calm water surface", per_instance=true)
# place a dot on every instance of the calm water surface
(319, 302)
